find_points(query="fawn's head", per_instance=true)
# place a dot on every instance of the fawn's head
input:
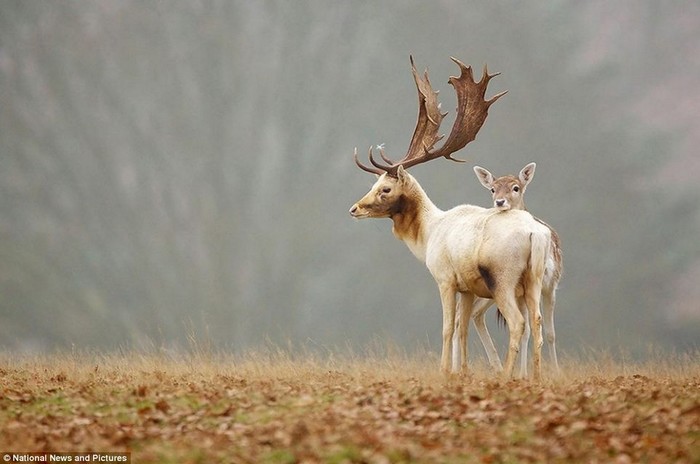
(508, 192)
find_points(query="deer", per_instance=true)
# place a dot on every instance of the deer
(470, 251)
(508, 192)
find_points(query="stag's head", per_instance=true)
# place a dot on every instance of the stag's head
(508, 192)
(387, 194)
(386, 197)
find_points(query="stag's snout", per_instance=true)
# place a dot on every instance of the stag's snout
(357, 211)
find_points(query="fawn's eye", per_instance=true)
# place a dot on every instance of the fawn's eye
(516, 189)
(493, 190)
(386, 190)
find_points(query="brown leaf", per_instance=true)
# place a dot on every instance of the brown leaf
(141, 390)
(299, 432)
(162, 406)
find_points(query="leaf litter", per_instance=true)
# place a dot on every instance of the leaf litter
(224, 410)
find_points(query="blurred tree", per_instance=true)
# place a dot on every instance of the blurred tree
(181, 170)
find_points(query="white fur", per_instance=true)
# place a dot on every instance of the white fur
(502, 188)
(455, 244)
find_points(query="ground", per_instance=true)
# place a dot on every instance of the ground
(280, 408)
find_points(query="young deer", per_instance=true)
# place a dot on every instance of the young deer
(469, 250)
(508, 192)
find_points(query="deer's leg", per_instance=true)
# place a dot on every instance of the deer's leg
(516, 325)
(448, 298)
(456, 360)
(479, 310)
(548, 302)
(525, 341)
(532, 298)
(466, 301)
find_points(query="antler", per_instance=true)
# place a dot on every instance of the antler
(472, 110)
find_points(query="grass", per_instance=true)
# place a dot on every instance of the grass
(275, 407)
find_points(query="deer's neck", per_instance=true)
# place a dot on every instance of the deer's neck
(413, 218)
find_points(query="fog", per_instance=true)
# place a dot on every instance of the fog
(182, 170)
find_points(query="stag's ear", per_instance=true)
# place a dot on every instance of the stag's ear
(484, 176)
(401, 174)
(527, 173)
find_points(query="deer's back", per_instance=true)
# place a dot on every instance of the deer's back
(469, 239)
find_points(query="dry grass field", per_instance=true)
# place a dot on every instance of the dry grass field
(279, 408)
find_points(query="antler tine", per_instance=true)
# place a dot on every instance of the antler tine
(366, 168)
(384, 157)
(487, 77)
(378, 165)
(495, 97)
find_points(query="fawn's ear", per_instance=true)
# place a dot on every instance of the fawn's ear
(527, 173)
(484, 176)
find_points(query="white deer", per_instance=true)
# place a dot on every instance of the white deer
(469, 250)
(508, 192)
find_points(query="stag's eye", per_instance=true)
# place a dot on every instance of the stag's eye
(386, 190)
(516, 189)
(493, 190)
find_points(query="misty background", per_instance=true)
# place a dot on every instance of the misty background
(172, 170)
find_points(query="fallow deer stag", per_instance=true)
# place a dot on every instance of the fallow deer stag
(508, 192)
(469, 250)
